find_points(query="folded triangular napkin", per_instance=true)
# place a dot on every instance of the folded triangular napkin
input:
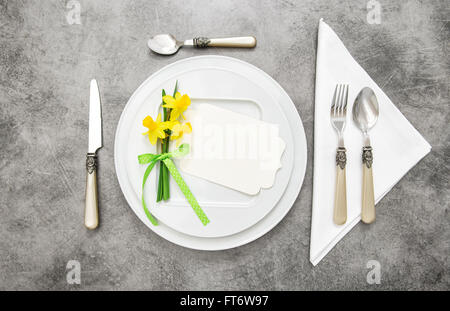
(397, 146)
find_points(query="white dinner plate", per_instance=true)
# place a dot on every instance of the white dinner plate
(235, 218)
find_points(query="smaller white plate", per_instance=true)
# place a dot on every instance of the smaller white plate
(229, 211)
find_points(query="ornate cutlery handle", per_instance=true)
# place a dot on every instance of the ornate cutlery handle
(91, 208)
(368, 200)
(340, 197)
(237, 42)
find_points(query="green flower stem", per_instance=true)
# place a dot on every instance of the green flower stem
(162, 168)
(164, 181)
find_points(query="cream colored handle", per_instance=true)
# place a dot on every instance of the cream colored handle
(236, 42)
(368, 199)
(340, 197)
(91, 207)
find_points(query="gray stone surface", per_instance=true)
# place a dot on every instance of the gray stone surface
(45, 68)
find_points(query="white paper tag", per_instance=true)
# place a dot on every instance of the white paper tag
(232, 149)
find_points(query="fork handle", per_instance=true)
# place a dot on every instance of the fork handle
(368, 199)
(340, 198)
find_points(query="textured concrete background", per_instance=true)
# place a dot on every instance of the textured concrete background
(45, 68)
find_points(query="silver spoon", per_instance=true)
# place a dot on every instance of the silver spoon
(365, 114)
(167, 44)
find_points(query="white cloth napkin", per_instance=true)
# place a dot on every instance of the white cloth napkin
(397, 146)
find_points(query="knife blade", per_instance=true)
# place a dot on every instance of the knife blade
(95, 142)
(95, 119)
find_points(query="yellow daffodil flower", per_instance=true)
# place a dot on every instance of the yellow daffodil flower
(171, 124)
(178, 105)
(155, 128)
(179, 129)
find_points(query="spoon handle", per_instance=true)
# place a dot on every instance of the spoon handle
(368, 200)
(236, 42)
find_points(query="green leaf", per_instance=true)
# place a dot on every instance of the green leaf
(175, 89)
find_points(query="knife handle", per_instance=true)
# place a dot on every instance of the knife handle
(368, 199)
(91, 208)
(340, 197)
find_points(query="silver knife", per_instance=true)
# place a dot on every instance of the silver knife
(95, 143)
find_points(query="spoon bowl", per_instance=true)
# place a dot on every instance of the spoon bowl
(165, 44)
(365, 114)
(365, 110)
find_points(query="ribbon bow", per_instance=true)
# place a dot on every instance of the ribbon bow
(165, 158)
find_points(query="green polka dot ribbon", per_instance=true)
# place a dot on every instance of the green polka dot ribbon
(165, 158)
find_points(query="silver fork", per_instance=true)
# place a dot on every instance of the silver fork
(338, 116)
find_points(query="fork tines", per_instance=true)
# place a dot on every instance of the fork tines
(339, 107)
